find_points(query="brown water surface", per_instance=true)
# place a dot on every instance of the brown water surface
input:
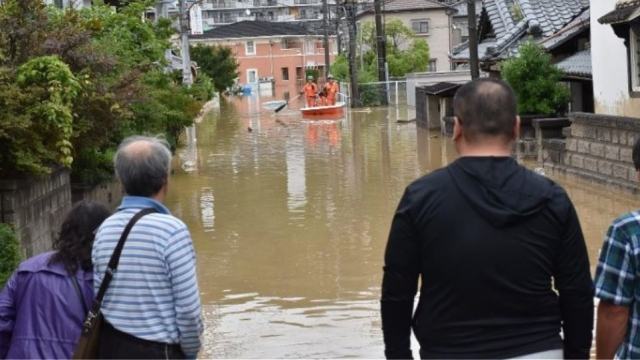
(290, 220)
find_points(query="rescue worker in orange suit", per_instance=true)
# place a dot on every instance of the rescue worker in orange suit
(310, 91)
(331, 90)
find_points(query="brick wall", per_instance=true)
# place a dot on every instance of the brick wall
(35, 208)
(598, 148)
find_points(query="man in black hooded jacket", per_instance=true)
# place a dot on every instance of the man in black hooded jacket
(498, 248)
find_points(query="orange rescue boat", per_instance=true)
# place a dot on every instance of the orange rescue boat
(327, 111)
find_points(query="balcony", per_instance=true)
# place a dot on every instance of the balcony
(246, 18)
(285, 18)
(219, 4)
(307, 2)
(269, 3)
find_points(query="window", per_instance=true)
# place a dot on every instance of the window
(250, 48)
(252, 76)
(420, 26)
(291, 43)
(433, 65)
(285, 73)
(634, 62)
(58, 3)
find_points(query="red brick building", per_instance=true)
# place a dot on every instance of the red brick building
(270, 51)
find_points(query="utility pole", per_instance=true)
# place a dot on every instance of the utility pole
(350, 7)
(473, 40)
(381, 45)
(325, 25)
(187, 78)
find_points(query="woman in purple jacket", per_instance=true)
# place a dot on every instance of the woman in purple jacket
(44, 303)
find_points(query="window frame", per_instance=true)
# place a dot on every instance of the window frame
(435, 65)
(285, 70)
(246, 47)
(419, 23)
(257, 79)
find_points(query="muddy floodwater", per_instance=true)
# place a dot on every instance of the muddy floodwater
(290, 219)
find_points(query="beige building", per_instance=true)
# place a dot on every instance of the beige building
(431, 20)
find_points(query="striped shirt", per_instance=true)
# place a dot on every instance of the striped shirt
(617, 277)
(154, 292)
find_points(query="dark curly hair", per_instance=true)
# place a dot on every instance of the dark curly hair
(77, 232)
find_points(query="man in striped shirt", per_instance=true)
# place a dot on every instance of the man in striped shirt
(152, 306)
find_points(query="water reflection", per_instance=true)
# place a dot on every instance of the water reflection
(290, 220)
(296, 175)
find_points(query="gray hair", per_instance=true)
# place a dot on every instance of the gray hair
(143, 169)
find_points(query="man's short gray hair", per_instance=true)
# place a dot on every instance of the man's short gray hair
(142, 164)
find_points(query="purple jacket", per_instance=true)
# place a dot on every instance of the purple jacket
(40, 311)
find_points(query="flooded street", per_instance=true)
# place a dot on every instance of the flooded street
(290, 220)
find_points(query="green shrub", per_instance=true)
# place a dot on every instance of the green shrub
(536, 81)
(9, 253)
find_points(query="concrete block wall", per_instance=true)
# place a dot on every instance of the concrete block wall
(109, 194)
(35, 208)
(598, 148)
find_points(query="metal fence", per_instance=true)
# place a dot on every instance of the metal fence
(374, 93)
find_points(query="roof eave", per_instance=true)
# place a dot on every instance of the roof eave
(620, 16)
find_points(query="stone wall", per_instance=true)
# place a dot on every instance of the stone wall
(35, 208)
(597, 148)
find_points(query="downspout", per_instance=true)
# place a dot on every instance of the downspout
(273, 76)
(450, 16)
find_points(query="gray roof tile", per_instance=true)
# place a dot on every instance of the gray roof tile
(579, 64)
(550, 15)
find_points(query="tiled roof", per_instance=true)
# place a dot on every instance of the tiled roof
(622, 12)
(513, 20)
(463, 52)
(579, 24)
(247, 29)
(578, 64)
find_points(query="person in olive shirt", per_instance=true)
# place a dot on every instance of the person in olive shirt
(498, 249)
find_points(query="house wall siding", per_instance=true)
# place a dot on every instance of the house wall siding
(439, 37)
(610, 66)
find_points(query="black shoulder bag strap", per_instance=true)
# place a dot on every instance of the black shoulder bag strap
(115, 259)
(76, 285)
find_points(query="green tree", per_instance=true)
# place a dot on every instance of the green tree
(9, 253)
(340, 68)
(94, 75)
(218, 63)
(405, 52)
(36, 124)
(536, 81)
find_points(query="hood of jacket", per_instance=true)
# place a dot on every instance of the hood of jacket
(499, 189)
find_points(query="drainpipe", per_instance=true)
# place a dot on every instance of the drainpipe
(273, 76)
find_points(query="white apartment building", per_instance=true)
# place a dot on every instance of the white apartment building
(224, 12)
(68, 3)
